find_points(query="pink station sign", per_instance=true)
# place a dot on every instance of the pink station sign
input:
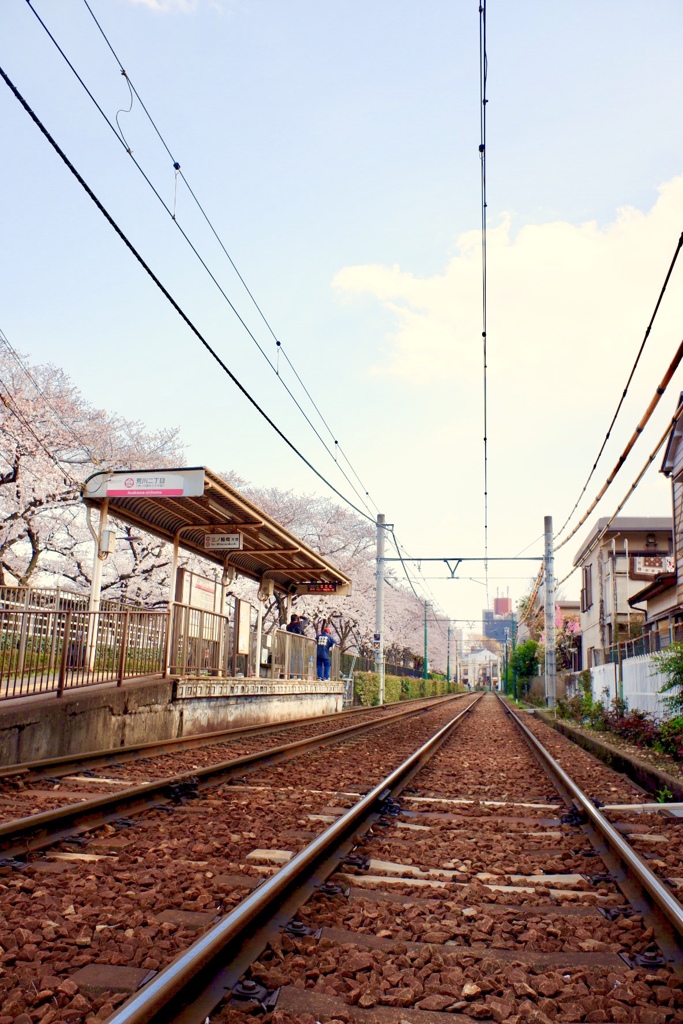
(149, 483)
(153, 486)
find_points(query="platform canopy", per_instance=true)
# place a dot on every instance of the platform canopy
(195, 509)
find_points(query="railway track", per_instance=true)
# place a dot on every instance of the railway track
(83, 888)
(36, 786)
(484, 885)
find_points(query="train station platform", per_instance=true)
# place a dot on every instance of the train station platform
(78, 672)
(104, 716)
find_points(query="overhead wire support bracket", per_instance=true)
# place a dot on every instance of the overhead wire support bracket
(453, 562)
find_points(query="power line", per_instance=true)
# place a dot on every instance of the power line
(67, 426)
(661, 390)
(11, 407)
(628, 383)
(407, 574)
(483, 75)
(652, 456)
(129, 245)
(172, 214)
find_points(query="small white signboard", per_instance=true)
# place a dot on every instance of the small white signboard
(243, 626)
(223, 541)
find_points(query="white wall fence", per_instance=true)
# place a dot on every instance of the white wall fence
(641, 683)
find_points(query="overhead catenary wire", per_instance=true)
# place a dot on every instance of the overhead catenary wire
(409, 558)
(628, 383)
(195, 330)
(483, 76)
(532, 597)
(673, 366)
(652, 456)
(396, 544)
(337, 449)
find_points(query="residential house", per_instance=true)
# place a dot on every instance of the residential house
(614, 568)
(662, 597)
(480, 668)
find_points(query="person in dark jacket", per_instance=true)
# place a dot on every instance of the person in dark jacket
(294, 625)
(325, 644)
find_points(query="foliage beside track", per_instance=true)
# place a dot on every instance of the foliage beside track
(396, 688)
(641, 728)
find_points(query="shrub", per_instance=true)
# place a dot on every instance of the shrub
(670, 663)
(366, 688)
(670, 737)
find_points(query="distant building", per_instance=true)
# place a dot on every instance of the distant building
(632, 552)
(497, 624)
(480, 668)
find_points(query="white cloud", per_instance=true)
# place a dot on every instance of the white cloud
(552, 288)
(169, 6)
(568, 307)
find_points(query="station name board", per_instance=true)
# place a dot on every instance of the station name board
(150, 483)
(223, 542)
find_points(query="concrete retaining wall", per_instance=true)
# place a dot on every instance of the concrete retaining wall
(34, 729)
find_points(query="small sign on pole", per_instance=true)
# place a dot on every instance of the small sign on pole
(223, 542)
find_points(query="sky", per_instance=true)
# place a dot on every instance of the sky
(334, 148)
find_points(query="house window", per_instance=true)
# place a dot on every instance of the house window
(587, 588)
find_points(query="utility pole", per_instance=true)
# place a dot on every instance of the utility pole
(448, 657)
(549, 564)
(379, 608)
(425, 662)
(507, 641)
(514, 670)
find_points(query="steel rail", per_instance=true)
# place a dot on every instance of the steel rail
(663, 899)
(100, 758)
(149, 1004)
(47, 827)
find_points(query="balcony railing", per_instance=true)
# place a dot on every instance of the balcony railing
(658, 637)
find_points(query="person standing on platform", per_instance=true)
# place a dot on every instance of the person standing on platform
(294, 625)
(325, 644)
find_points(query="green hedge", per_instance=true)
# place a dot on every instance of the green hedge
(366, 688)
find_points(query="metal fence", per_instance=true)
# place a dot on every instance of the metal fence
(50, 642)
(295, 657)
(201, 643)
(43, 651)
(360, 663)
(53, 599)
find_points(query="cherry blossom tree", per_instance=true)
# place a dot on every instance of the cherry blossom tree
(52, 439)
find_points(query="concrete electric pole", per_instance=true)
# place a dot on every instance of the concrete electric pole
(379, 608)
(425, 663)
(549, 584)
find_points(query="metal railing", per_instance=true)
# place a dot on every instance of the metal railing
(201, 643)
(295, 657)
(43, 651)
(361, 663)
(48, 649)
(658, 638)
(53, 599)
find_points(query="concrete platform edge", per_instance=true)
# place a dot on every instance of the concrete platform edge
(150, 710)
